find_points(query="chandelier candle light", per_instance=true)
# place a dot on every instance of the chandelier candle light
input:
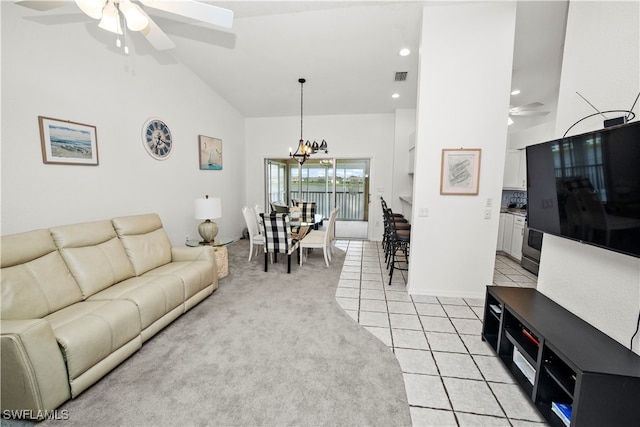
(304, 150)
(208, 209)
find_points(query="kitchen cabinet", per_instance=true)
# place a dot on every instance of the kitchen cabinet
(515, 170)
(412, 159)
(508, 232)
(511, 234)
(516, 237)
(499, 246)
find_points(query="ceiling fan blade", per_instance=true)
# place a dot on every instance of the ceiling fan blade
(529, 106)
(41, 5)
(529, 113)
(156, 36)
(195, 10)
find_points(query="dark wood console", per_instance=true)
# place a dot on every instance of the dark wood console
(567, 360)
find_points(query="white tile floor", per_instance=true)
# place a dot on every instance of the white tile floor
(452, 378)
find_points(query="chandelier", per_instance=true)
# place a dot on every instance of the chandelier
(305, 149)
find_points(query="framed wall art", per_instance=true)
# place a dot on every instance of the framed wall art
(210, 153)
(460, 171)
(68, 143)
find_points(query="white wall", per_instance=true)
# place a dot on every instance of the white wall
(601, 61)
(349, 136)
(72, 71)
(533, 135)
(465, 60)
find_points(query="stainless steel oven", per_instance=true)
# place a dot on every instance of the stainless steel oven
(531, 248)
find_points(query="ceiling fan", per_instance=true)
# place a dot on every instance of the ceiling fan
(530, 109)
(136, 19)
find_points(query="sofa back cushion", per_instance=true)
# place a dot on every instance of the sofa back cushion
(94, 254)
(35, 280)
(145, 241)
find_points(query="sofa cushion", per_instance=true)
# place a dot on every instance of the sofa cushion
(154, 296)
(195, 275)
(144, 240)
(94, 254)
(34, 280)
(89, 331)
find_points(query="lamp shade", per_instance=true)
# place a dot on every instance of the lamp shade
(110, 19)
(208, 208)
(135, 17)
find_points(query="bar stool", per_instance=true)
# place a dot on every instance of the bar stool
(398, 240)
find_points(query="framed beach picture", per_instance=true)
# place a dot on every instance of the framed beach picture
(68, 143)
(460, 171)
(210, 153)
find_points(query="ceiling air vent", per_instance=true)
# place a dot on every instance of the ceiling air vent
(400, 76)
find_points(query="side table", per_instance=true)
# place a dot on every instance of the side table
(220, 249)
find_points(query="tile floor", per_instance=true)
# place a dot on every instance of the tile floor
(452, 378)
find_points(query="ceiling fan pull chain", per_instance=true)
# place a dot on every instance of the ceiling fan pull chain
(124, 35)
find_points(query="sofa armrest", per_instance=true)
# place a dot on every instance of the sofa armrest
(34, 375)
(198, 253)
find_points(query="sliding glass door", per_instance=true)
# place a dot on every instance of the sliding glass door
(329, 183)
(314, 185)
(276, 182)
(352, 195)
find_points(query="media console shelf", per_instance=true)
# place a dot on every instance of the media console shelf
(557, 357)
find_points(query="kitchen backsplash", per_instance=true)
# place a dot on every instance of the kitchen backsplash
(513, 197)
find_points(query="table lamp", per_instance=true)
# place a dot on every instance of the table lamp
(208, 209)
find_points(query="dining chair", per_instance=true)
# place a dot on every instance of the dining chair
(308, 212)
(257, 210)
(279, 207)
(321, 239)
(277, 238)
(255, 238)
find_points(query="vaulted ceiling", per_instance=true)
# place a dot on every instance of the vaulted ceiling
(347, 51)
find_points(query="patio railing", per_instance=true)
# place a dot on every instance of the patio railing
(351, 204)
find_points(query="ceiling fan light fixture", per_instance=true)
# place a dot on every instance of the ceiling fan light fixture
(92, 8)
(110, 19)
(136, 19)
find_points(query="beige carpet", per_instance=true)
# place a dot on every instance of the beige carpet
(266, 349)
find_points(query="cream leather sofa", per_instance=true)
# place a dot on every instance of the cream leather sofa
(79, 299)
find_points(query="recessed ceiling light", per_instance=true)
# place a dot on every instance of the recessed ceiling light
(404, 52)
(395, 95)
(515, 91)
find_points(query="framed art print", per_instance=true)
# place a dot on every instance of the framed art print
(460, 172)
(210, 153)
(68, 143)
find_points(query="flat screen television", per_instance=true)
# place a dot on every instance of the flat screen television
(587, 188)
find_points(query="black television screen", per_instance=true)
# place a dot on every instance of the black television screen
(587, 188)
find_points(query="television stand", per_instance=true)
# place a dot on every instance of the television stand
(556, 357)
